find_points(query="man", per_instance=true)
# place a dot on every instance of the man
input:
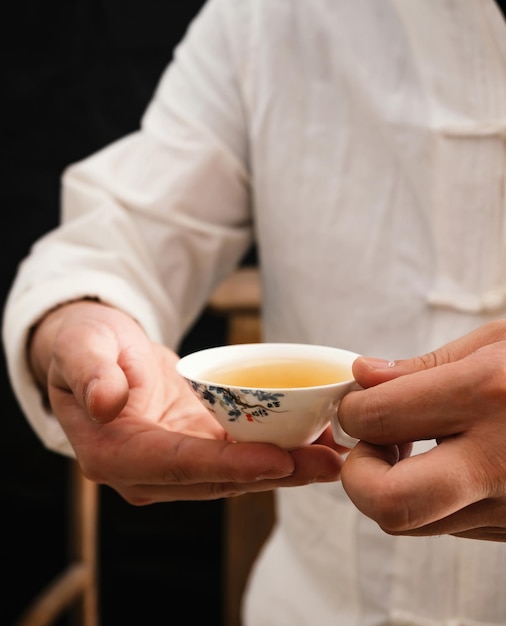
(360, 146)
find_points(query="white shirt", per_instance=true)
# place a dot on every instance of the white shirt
(361, 145)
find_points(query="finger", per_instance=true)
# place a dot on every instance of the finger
(370, 371)
(222, 461)
(433, 403)
(157, 456)
(407, 494)
(183, 467)
(484, 520)
(488, 533)
(312, 464)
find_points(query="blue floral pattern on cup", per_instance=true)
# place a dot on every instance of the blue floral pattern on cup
(253, 404)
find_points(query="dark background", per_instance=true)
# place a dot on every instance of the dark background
(77, 75)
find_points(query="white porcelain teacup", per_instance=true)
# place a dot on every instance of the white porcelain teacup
(281, 393)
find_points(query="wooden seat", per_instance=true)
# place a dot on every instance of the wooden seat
(75, 590)
(248, 518)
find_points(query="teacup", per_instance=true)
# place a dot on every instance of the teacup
(280, 393)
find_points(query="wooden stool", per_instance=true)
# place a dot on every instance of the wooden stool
(76, 588)
(248, 518)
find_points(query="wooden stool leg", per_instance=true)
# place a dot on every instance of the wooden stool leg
(77, 586)
(248, 521)
(84, 544)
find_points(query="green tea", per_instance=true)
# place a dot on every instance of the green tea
(275, 373)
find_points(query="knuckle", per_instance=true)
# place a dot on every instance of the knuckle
(391, 511)
(490, 391)
(389, 505)
(484, 472)
(496, 330)
(372, 423)
(432, 359)
(175, 475)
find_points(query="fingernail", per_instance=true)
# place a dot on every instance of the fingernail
(378, 364)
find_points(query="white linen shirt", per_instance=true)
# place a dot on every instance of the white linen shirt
(360, 144)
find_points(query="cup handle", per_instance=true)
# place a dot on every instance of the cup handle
(340, 437)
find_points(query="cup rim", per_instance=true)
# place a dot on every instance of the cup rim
(231, 350)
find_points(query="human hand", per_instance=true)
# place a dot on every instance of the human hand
(135, 425)
(455, 395)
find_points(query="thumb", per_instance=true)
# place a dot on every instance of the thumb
(100, 388)
(371, 371)
(107, 395)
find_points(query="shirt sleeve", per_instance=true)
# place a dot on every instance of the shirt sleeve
(151, 223)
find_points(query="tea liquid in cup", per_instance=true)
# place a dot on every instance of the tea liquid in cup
(272, 373)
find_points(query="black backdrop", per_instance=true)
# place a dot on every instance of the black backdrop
(78, 74)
